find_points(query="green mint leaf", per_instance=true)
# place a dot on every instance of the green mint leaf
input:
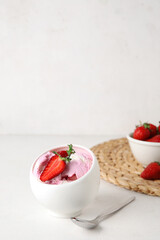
(69, 152)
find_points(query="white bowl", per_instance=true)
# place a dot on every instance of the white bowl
(68, 199)
(144, 152)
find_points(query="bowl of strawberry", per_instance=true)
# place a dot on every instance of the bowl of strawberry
(145, 143)
(65, 179)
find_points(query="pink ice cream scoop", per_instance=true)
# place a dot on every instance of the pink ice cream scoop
(78, 166)
(73, 188)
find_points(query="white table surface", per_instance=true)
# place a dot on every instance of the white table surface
(21, 217)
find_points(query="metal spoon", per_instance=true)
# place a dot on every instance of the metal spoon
(93, 223)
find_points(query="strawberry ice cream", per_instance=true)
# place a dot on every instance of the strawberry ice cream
(78, 166)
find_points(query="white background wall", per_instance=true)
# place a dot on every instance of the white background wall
(78, 67)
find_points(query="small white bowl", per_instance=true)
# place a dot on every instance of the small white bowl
(144, 152)
(68, 199)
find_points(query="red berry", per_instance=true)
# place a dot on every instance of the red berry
(152, 128)
(156, 138)
(57, 164)
(152, 171)
(54, 167)
(141, 133)
(63, 153)
(158, 128)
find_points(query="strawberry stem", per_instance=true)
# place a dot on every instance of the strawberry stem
(146, 125)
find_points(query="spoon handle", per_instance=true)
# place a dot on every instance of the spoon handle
(114, 209)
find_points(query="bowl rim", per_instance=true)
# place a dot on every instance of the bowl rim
(130, 138)
(94, 159)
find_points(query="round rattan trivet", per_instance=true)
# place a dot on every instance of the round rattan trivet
(118, 166)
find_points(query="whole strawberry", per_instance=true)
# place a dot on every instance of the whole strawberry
(156, 138)
(152, 128)
(152, 171)
(142, 133)
(158, 128)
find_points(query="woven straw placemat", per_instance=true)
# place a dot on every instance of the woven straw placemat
(118, 166)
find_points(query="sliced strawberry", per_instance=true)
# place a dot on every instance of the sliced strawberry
(57, 164)
(156, 138)
(152, 171)
(54, 167)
